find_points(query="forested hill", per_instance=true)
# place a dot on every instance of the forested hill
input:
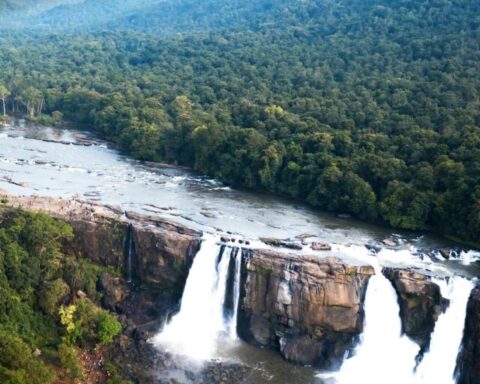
(158, 16)
(364, 107)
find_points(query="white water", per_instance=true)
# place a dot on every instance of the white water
(438, 364)
(218, 320)
(384, 355)
(232, 324)
(196, 330)
(468, 257)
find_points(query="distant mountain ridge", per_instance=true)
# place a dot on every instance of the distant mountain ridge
(139, 15)
(32, 6)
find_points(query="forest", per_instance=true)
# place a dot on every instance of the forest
(44, 325)
(365, 108)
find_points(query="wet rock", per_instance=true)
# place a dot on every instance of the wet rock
(445, 253)
(373, 248)
(309, 309)
(468, 363)
(317, 246)
(208, 214)
(420, 302)
(304, 236)
(389, 242)
(281, 243)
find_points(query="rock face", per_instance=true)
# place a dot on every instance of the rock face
(115, 290)
(309, 308)
(420, 303)
(102, 240)
(468, 364)
(162, 252)
(163, 255)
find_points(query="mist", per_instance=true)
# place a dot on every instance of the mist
(68, 15)
(160, 17)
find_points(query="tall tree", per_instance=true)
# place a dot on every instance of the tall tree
(4, 93)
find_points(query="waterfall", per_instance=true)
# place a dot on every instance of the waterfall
(232, 323)
(201, 323)
(438, 364)
(384, 355)
(128, 253)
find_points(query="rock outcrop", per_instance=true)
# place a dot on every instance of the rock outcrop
(308, 308)
(468, 364)
(115, 290)
(162, 252)
(100, 240)
(420, 302)
(282, 243)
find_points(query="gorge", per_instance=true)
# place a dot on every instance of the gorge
(197, 274)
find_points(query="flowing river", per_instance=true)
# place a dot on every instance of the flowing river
(73, 163)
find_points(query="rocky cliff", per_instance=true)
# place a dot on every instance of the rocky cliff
(468, 364)
(309, 308)
(420, 302)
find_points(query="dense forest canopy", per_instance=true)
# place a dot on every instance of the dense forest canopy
(364, 107)
(42, 322)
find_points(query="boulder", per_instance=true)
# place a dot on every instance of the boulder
(308, 308)
(389, 242)
(317, 246)
(445, 253)
(281, 243)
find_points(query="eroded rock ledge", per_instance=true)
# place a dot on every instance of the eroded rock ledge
(420, 301)
(309, 308)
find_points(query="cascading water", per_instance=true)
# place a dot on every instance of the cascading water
(220, 288)
(196, 329)
(232, 323)
(384, 355)
(129, 253)
(438, 364)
